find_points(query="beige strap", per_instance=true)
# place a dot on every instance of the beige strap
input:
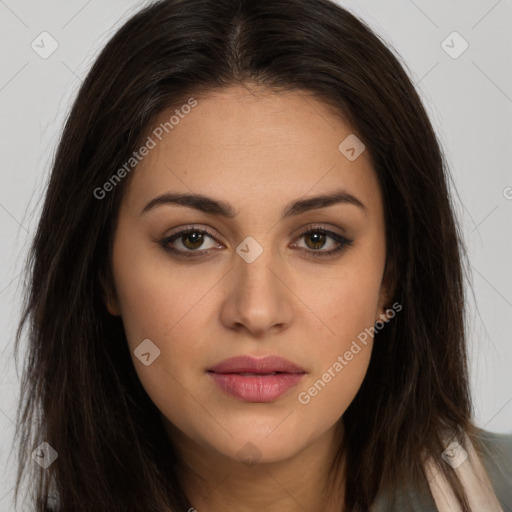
(471, 473)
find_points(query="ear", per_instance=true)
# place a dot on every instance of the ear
(109, 295)
(387, 291)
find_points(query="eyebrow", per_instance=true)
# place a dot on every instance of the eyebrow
(220, 208)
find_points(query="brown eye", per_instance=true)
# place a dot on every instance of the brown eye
(189, 243)
(192, 239)
(318, 238)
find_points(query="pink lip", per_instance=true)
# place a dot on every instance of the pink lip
(261, 387)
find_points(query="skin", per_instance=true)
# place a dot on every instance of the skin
(257, 151)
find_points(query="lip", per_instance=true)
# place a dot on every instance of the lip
(262, 385)
(248, 364)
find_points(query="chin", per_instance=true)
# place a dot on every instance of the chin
(258, 450)
(255, 446)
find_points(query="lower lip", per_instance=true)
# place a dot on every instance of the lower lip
(264, 388)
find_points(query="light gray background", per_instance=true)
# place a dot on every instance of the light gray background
(468, 98)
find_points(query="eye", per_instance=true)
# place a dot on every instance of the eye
(186, 242)
(317, 238)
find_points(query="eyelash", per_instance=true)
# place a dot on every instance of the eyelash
(342, 241)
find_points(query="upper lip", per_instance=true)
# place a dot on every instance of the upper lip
(247, 364)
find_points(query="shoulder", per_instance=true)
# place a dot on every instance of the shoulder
(496, 444)
(495, 451)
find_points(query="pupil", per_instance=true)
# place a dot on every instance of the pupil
(318, 239)
(196, 237)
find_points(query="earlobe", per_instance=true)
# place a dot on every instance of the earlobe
(111, 304)
(387, 291)
(384, 300)
(109, 297)
(113, 310)
(383, 317)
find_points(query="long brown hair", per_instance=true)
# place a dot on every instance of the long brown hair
(80, 392)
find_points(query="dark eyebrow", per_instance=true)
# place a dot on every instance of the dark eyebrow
(214, 207)
(321, 201)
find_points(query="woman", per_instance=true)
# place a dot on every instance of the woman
(246, 286)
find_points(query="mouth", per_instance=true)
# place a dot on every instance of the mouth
(256, 379)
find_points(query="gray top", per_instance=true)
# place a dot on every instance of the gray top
(497, 461)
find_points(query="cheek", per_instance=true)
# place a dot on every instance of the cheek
(166, 314)
(341, 360)
(327, 395)
(155, 297)
(158, 303)
(344, 337)
(347, 304)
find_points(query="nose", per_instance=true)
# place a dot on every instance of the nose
(259, 298)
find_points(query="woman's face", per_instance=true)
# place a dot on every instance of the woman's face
(255, 285)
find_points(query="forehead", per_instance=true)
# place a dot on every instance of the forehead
(251, 147)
